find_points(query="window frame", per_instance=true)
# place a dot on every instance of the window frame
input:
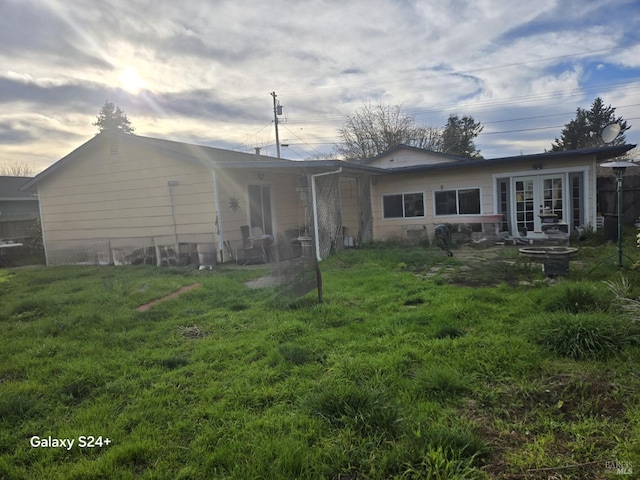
(457, 214)
(404, 213)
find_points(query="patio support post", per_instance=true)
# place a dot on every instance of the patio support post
(218, 225)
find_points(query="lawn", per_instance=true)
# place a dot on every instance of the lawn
(415, 366)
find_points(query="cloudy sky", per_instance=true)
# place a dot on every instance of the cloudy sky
(202, 71)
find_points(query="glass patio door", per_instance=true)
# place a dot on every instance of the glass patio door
(525, 201)
(532, 194)
(260, 214)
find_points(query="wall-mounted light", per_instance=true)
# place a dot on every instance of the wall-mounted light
(537, 166)
(260, 175)
(172, 183)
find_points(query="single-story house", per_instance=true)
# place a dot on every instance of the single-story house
(428, 188)
(127, 198)
(131, 199)
(18, 209)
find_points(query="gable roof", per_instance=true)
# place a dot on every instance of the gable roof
(10, 189)
(212, 157)
(445, 156)
(209, 157)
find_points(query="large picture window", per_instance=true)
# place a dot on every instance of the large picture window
(457, 202)
(403, 205)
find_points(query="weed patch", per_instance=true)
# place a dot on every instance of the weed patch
(364, 410)
(584, 336)
(392, 376)
(440, 382)
(575, 298)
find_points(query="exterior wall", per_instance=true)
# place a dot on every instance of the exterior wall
(408, 158)
(117, 198)
(286, 205)
(482, 177)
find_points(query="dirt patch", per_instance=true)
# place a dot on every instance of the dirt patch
(188, 288)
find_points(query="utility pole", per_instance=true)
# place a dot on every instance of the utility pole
(277, 109)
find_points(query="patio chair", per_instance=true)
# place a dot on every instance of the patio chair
(252, 248)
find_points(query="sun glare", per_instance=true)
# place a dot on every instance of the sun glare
(131, 81)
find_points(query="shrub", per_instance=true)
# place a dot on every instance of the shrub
(585, 335)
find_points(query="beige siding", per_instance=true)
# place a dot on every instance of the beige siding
(98, 198)
(427, 182)
(286, 206)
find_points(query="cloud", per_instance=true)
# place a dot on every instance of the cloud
(209, 67)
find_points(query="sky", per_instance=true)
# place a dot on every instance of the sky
(202, 71)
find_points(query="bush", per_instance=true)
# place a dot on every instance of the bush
(585, 335)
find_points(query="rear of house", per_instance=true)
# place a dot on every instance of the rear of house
(485, 196)
(122, 199)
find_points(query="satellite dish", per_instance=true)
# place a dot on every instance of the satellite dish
(610, 132)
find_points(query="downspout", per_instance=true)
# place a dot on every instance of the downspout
(44, 238)
(218, 221)
(315, 208)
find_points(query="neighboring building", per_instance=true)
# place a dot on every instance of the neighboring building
(125, 198)
(18, 209)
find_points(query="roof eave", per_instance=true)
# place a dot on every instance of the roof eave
(601, 153)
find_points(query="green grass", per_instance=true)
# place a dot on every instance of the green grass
(486, 373)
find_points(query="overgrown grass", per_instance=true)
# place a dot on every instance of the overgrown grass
(396, 375)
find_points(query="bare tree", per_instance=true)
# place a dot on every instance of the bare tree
(373, 130)
(14, 168)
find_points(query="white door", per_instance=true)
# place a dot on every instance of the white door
(532, 194)
(525, 201)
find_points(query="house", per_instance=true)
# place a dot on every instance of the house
(132, 199)
(18, 209)
(507, 194)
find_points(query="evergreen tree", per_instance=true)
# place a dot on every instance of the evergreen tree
(458, 136)
(585, 130)
(112, 119)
